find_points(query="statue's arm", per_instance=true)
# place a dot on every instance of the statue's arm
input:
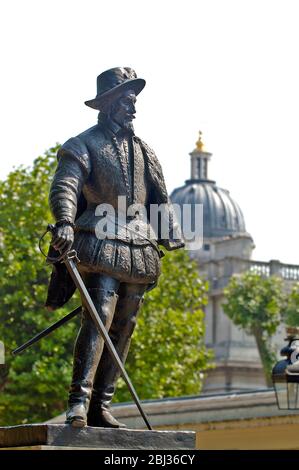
(71, 173)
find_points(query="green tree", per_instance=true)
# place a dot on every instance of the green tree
(167, 355)
(291, 312)
(34, 384)
(256, 304)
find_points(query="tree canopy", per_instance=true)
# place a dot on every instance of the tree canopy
(167, 357)
(291, 311)
(257, 304)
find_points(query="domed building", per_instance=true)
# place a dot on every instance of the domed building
(226, 249)
(223, 219)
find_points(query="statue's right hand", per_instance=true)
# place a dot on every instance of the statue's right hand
(63, 238)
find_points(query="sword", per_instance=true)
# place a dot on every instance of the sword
(47, 331)
(70, 259)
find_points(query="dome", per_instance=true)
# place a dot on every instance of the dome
(221, 214)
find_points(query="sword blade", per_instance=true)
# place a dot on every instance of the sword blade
(89, 305)
(47, 331)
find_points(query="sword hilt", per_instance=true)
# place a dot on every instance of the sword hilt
(71, 255)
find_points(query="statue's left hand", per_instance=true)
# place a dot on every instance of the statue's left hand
(63, 238)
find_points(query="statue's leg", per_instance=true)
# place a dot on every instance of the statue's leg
(121, 330)
(89, 345)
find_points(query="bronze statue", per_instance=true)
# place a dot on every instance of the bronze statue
(96, 169)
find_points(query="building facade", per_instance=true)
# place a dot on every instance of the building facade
(226, 250)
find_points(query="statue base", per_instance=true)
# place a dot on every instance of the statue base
(60, 436)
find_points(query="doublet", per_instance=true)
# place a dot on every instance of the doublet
(95, 168)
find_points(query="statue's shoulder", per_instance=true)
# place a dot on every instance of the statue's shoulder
(80, 140)
(150, 155)
(83, 143)
(80, 147)
(93, 133)
(145, 146)
(148, 151)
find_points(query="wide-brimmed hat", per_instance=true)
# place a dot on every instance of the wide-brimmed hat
(113, 82)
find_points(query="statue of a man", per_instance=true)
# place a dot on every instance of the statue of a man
(95, 169)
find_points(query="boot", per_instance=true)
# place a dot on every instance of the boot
(87, 352)
(120, 332)
(99, 414)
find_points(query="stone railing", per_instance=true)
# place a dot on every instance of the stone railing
(260, 267)
(289, 272)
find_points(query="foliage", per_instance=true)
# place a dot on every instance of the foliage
(256, 304)
(167, 354)
(34, 384)
(291, 312)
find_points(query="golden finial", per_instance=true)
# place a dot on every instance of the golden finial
(199, 143)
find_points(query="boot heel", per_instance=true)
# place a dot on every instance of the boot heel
(77, 423)
(76, 416)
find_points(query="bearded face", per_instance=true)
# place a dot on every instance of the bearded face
(123, 109)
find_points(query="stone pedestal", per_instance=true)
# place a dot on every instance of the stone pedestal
(55, 436)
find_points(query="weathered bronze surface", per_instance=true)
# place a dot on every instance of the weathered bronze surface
(71, 264)
(97, 167)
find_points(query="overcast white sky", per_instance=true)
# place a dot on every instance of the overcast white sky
(227, 67)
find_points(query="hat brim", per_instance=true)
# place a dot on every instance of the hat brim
(137, 84)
